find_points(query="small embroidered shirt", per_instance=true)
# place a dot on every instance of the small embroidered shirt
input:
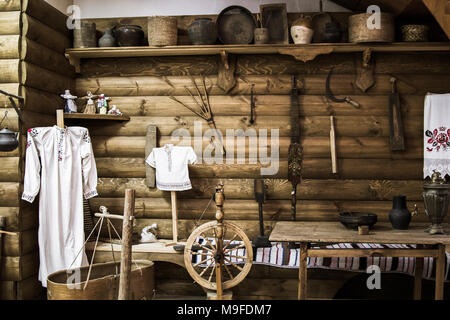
(171, 164)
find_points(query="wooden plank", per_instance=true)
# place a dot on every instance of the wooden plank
(83, 116)
(272, 85)
(9, 70)
(418, 274)
(313, 168)
(303, 272)
(440, 273)
(19, 268)
(20, 218)
(10, 23)
(150, 144)
(373, 126)
(9, 194)
(39, 55)
(313, 189)
(12, 88)
(9, 169)
(10, 5)
(437, 8)
(21, 244)
(45, 80)
(41, 101)
(47, 14)
(8, 290)
(33, 29)
(9, 47)
(335, 232)
(349, 253)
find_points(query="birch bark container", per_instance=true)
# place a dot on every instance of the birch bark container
(359, 32)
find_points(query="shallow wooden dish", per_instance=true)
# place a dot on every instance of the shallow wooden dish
(352, 220)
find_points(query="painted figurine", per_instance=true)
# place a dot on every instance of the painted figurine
(70, 106)
(114, 111)
(102, 104)
(90, 105)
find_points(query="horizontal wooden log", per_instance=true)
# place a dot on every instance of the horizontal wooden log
(10, 5)
(266, 105)
(9, 47)
(45, 80)
(19, 268)
(20, 244)
(312, 169)
(22, 218)
(47, 14)
(313, 147)
(41, 101)
(373, 126)
(36, 119)
(308, 189)
(8, 290)
(30, 289)
(274, 210)
(35, 30)
(46, 58)
(272, 85)
(12, 88)
(12, 120)
(10, 23)
(9, 194)
(9, 169)
(9, 70)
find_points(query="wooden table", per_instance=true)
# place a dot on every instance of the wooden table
(333, 232)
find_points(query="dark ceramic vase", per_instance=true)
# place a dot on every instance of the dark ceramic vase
(400, 216)
(332, 33)
(202, 31)
(129, 35)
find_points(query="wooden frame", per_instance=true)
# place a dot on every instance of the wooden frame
(273, 12)
(332, 232)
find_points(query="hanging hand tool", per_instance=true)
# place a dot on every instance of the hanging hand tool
(252, 105)
(331, 96)
(333, 146)
(395, 119)
(261, 241)
(295, 149)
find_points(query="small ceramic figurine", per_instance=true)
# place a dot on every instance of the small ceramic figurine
(70, 106)
(114, 111)
(90, 105)
(102, 104)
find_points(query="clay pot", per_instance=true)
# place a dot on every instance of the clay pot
(107, 40)
(302, 31)
(399, 216)
(129, 35)
(202, 31)
(332, 33)
(261, 36)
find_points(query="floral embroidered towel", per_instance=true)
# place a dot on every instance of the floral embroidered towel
(437, 134)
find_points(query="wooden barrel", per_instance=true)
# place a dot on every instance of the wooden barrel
(358, 31)
(162, 31)
(103, 283)
(85, 36)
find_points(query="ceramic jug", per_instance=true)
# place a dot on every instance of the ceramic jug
(400, 216)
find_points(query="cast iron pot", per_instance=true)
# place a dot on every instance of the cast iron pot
(8, 140)
(202, 31)
(129, 35)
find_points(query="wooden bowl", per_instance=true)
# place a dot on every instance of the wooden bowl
(352, 220)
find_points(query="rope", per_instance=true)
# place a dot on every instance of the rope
(197, 222)
(93, 254)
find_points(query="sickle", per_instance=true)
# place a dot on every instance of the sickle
(331, 96)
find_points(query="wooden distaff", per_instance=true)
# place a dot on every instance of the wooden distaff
(295, 149)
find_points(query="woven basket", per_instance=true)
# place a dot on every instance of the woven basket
(415, 32)
(162, 31)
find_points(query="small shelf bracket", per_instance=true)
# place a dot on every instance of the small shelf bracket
(306, 54)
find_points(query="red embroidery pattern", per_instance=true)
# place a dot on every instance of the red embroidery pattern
(438, 139)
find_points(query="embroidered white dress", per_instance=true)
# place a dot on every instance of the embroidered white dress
(60, 164)
(171, 164)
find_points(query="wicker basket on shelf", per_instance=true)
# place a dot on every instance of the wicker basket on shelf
(415, 32)
(162, 31)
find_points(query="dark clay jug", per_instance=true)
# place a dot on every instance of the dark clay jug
(129, 35)
(332, 33)
(400, 216)
(202, 31)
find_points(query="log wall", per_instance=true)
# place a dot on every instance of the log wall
(369, 173)
(33, 37)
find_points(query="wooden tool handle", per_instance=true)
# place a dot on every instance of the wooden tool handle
(353, 102)
(333, 146)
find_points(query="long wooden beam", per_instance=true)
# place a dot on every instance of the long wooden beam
(439, 9)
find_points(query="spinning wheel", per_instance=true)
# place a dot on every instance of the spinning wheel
(218, 255)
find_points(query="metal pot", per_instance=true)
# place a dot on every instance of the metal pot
(8, 140)
(436, 198)
(203, 31)
(129, 35)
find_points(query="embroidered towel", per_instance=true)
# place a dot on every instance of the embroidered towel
(436, 134)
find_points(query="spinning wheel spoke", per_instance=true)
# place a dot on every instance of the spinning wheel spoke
(206, 248)
(228, 270)
(237, 257)
(236, 266)
(204, 270)
(199, 253)
(238, 247)
(229, 243)
(202, 262)
(206, 239)
(212, 272)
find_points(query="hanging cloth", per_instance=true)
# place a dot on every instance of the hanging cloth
(436, 134)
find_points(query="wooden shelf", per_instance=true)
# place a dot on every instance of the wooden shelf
(301, 52)
(84, 116)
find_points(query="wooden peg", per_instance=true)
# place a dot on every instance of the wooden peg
(224, 56)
